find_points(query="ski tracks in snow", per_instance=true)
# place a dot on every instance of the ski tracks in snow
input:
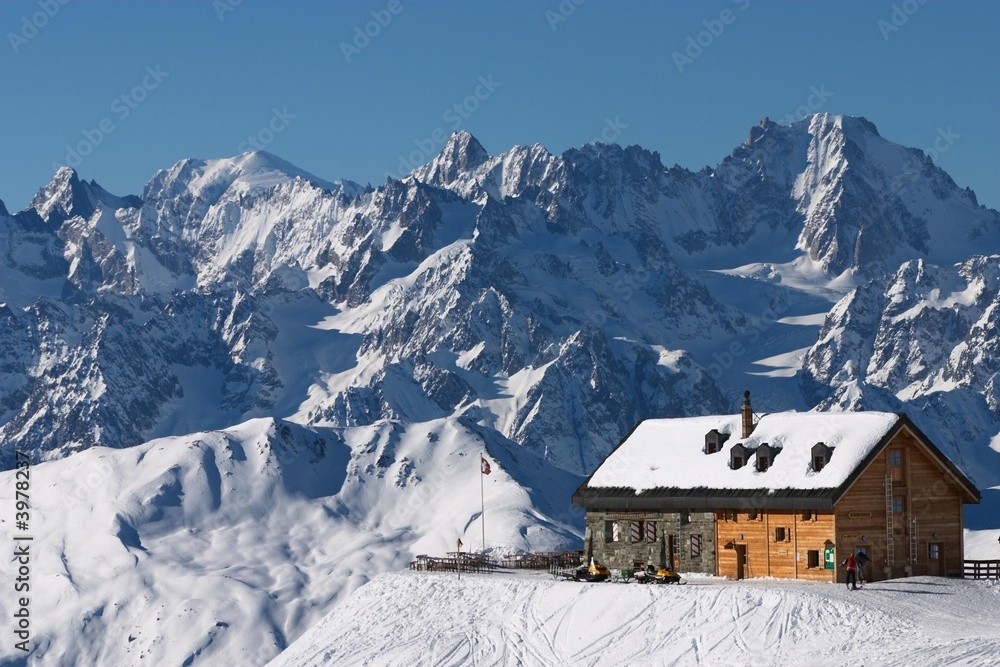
(413, 619)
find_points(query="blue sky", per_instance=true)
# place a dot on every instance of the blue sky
(139, 85)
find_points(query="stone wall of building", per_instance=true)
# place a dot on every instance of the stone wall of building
(685, 541)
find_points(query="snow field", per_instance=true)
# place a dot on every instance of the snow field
(410, 619)
(222, 547)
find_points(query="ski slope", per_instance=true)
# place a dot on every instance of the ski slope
(410, 619)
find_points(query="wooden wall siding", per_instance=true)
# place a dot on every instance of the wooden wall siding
(767, 557)
(927, 493)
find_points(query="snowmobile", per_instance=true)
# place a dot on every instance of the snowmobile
(652, 575)
(596, 572)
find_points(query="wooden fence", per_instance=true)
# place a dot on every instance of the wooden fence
(542, 560)
(468, 562)
(453, 562)
(982, 569)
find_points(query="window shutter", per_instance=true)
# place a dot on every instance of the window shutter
(636, 530)
(650, 531)
(615, 532)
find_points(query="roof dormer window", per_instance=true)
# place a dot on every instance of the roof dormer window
(737, 456)
(820, 456)
(714, 441)
(765, 456)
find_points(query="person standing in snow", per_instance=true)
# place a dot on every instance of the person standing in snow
(852, 564)
(862, 559)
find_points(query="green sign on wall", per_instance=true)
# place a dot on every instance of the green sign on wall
(828, 561)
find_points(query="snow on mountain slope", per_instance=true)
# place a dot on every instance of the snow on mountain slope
(983, 544)
(222, 547)
(865, 203)
(412, 619)
(582, 272)
(925, 338)
(208, 180)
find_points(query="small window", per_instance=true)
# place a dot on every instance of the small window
(812, 558)
(611, 533)
(762, 465)
(895, 457)
(779, 534)
(650, 531)
(934, 551)
(807, 515)
(635, 531)
(696, 546)
(737, 462)
(714, 441)
(897, 505)
(819, 462)
(752, 515)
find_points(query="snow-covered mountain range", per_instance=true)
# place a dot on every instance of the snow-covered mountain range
(526, 305)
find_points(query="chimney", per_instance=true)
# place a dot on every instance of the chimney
(747, 415)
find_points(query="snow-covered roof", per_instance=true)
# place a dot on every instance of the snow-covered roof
(669, 453)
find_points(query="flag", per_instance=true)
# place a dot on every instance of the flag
(484, 465)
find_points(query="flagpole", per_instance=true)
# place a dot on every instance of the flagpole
(482, 499)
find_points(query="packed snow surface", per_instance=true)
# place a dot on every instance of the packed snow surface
(411, 619)
(669, 453)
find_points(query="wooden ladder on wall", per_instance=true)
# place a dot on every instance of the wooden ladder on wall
(890, 551)
(913, 542)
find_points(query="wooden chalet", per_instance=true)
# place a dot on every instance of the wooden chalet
(790, 497)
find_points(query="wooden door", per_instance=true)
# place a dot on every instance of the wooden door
(935, 559)
(741, 561)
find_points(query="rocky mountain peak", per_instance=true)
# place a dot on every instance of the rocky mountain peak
(460, 156)
(67, 196)
(759, 130)
(64, 197)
